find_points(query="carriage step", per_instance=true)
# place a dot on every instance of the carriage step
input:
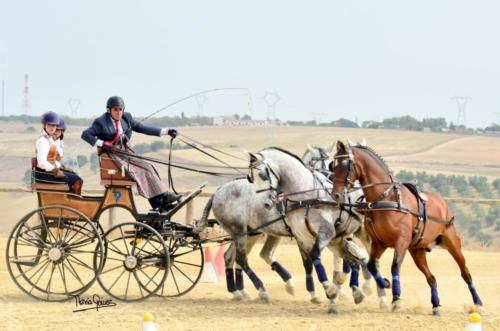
(25, 262)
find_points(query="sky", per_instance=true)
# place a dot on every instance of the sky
(360, 60)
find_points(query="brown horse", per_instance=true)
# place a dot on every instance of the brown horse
(398, 216)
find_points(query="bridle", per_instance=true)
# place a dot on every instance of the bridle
(264, 174)
(350, 169)
(323, 156)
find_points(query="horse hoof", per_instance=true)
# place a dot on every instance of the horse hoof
(383, 304)
(263, 296)
(332, 310)
(340, 278)
(237, 296)
(480, 310)
(330, 290)
(367, 288)
(290, 287)
(358, 296)
(245, 295)
(436, 311)
(316, 300)
(396, 305)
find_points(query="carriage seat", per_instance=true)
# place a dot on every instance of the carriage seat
(42, 186)
(112, 174)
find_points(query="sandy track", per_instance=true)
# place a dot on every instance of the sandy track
(208, 306)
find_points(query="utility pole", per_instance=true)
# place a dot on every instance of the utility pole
(271, 99)
(461, 105)
(74, 104)
(201, 99)
(26, 91)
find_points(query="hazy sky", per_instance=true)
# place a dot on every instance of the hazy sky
(355, 59)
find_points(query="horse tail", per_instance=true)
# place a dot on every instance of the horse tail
(206, 210)
(201, 224)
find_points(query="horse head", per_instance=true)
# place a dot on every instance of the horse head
(263, 176)
(344, 171)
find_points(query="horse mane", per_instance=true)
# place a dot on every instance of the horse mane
(376, 156)
(286, 152)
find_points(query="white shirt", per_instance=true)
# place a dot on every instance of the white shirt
(42, 151)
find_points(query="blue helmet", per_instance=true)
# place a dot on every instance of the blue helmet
(61, 125)
(50, 117)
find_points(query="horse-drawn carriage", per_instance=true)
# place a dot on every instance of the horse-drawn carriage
(60, 249)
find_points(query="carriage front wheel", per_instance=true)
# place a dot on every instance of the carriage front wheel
(54, 253)
(136, 262)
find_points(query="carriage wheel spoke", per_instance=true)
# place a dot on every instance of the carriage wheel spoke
(123, 237)
(175, 280)
(188, 263)
(36, 234)
(192, 282)
(40, 266)
(126, 288)
(63, 278)
(80, 262)
(116, 280)
(34, 242)
(114, 268)
(73, 272)
(116, 250)
(45, 225)
(151, 279)
(49, 283)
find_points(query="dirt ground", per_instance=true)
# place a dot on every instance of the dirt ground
(209, 307)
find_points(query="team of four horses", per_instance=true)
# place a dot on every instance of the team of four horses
(349, 205)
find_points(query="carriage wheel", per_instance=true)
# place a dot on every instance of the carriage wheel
(135, 265)
(51, 253)
(186, 266)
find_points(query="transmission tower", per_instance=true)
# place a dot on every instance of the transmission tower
(26, 91)
(73, 104)
(461, 105)
(317, 117)
(201, 100)
(271, 99)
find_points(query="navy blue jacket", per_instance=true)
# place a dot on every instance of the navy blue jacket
(103, 128)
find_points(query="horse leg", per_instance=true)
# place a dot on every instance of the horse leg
(308, 267)
(267, 253)
(452, 242)
(399, 254)
(242, 260)
(382, 283)
(229, 259)
(419, 257)
(325, 233)
(339, 269)
(357, 294)
(367, 276)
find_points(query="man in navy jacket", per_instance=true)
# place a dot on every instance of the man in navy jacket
(113, 130)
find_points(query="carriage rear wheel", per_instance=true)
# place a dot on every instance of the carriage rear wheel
(186, 266)
(136, 262)
(54, 253)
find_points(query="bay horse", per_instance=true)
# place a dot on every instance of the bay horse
(398, 216)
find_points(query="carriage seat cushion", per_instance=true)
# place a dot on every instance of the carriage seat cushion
(111, 172)
(41, 186)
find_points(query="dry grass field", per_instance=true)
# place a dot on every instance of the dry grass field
(208, 306)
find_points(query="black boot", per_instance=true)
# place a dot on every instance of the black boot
(168, 201)
(156, 202)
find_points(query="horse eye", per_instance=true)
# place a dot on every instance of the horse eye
(345, 164)
(263, 175)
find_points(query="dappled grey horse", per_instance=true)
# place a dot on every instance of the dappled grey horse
(313, 217)
(236, 209)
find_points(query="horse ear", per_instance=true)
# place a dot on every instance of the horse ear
(254, 159)
(329, 148)
(349, 142)
(363, 142)
(340, 147)
(311, 150)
